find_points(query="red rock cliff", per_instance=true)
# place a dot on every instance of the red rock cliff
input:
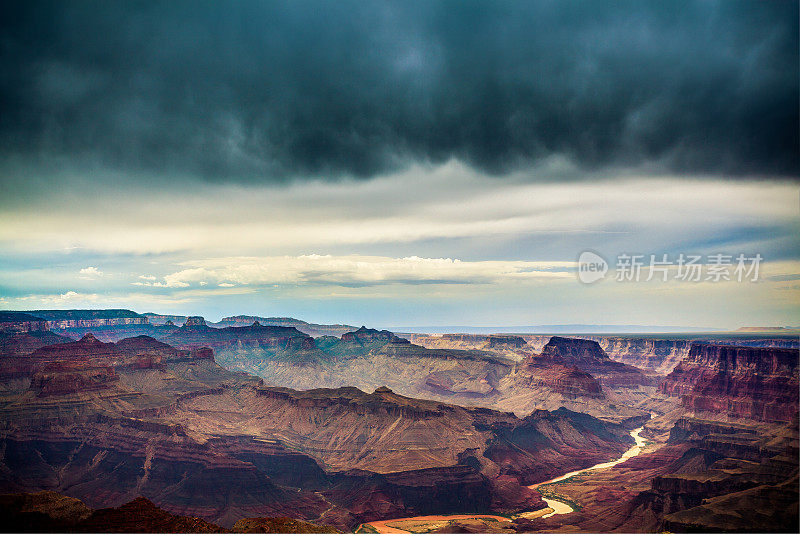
(749, 382)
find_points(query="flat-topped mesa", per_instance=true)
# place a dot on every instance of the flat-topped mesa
(691, 429)
(195, 321)
(572, 382)
(574, 350)
(145, 348)
(312, 329)
(762, 360)
(366, 336)
(504, 342)
(469, 338)
(12, 322)
(759, 383)
(89, 318)
(254, 335)
(588, 356)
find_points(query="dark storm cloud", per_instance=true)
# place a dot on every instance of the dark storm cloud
(265, 91)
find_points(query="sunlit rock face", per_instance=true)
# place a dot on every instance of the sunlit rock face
(589, 357)
(540, 371)
(748, 382)
(657, 355)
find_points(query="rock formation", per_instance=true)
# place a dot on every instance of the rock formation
(196, 333)
(12, 322)
(748, 382)
(647, 353)
(23, 343)
(110, 422)
(497, 341)
(588, 356)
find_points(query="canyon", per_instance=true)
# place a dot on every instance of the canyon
(231, 427)
(109, 422)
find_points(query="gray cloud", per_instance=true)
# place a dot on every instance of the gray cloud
(267, 91)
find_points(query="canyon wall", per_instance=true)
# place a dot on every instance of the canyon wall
(750, 382)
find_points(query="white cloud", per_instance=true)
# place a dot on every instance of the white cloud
(57, 300)
(90, 273)
(317, 269)
(74, 299)
(439, 235)
(423, 204)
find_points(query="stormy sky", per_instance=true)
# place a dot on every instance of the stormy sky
(398, 163)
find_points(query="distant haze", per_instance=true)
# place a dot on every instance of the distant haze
(552, 329)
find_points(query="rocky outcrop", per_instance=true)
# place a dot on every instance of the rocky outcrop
(553, 373)
(62, 378)
(56, 362)
(21, 344)
(711, 476)
(747, 382)
(506, 342)
(195, 333)
(312, 329)
(81, 320)
(717, 480)
(109, 422)
(513, 446)
(371, 358)
(48, 511)
(141, 515)
(589, 357)
(367, 336)
(498, 343)
(194, 321)
(651, 354)
(12, 322)
(662, 354)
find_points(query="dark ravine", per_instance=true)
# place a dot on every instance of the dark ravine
(52, 512)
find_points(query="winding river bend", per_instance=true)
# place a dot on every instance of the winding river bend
(558, 506)
(561, 507)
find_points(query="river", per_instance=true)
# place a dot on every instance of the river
(561, 507)
(558, 506)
